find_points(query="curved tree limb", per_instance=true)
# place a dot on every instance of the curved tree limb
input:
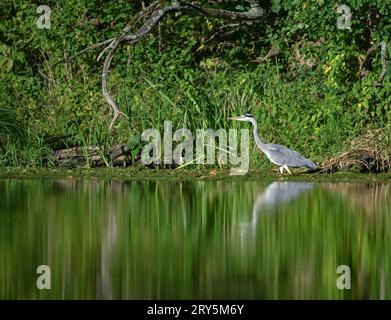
(94, 46)
(384, 64)
(158, 12)
(109, 98)
(366, 65)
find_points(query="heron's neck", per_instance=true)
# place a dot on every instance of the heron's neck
(257, 137)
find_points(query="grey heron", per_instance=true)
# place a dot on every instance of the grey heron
(277, 154)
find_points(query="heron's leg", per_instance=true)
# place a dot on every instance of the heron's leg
(286, 168)
(281, 170)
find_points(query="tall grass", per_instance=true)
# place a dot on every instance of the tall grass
(302, 114)
(20, 145)
(34, 152)
(11, 127)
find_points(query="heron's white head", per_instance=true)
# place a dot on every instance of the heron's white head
(244, 117)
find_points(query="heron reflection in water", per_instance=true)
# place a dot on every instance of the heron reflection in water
(276, 194)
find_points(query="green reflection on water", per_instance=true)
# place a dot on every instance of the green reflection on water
(193, 240)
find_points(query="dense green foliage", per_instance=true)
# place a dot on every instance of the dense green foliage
(194, 72)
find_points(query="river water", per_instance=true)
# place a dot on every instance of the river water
(228, 239)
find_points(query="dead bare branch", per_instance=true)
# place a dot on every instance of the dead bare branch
(384, 64)
(94, 46)
(158, 12)
(311, 62)
(273, 52)
(366, 65)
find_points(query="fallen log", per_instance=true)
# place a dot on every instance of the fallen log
(118, 155)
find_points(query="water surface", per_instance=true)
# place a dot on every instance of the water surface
(228, 239)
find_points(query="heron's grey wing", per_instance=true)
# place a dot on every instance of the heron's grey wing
(277, 147)
(285, 156)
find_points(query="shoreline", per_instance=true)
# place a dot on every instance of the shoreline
(142, 173)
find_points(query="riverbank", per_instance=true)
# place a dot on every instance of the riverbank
(142, 173)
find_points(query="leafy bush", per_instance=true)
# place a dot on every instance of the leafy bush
(195, 72)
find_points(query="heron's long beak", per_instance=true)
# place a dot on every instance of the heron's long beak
(234, 118)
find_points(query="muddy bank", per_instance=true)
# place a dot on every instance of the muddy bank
(140, 173)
